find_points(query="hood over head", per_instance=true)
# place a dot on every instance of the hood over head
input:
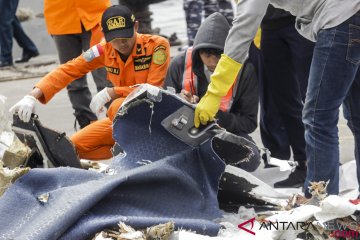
(211, 34)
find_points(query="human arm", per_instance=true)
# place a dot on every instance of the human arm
(59, 78)
(245, 26)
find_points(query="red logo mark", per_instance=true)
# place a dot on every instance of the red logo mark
(246, 222)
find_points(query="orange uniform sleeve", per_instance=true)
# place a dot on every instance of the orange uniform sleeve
(59, 78)
(160, 63)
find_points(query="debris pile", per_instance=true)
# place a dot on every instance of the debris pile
(7, 176)
(125, 232)
(12, 152)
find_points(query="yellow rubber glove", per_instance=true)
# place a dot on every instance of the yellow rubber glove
(222, 79)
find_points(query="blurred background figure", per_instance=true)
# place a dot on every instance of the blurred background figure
(74, 30)
(194, 13)
(287, 58)
(142, 13)
(10, 27)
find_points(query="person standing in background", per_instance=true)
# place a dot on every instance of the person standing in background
(10, 27)
(75, 26)
(142, 13)
(194, 9)
(141, 10)
(287, 59)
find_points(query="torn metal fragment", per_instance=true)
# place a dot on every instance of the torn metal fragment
(102, 236)
(161, 231)
(16, 154)
(318, 189)
(128, 233)
(44, 198)
(132, 236)
(7, 176)
(295, 201)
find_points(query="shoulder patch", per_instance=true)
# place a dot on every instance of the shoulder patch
(159, 47)
(93, 52)
(159, 56)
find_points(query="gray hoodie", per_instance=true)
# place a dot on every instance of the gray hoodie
(311, 17)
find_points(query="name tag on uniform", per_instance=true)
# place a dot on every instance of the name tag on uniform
(113, 70)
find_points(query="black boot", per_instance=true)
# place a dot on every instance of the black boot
(26, 57)
(296, 179)
(6, 64)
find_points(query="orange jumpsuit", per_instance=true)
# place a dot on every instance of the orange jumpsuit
(147, 63)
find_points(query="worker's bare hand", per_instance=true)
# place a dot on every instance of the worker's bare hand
(193, 99)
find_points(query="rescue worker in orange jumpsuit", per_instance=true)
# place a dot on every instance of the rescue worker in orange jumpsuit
(75, 26)
(129, 57)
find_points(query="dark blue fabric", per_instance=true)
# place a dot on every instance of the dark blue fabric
(180, 186)
(140, 133)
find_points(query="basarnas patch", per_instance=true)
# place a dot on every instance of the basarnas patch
(159, 56)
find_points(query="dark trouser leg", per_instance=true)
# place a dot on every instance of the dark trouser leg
(273, 133)
(7, 16)
(142, 14)
(287, 60)
(193, 16)
(333, 80)
(352, 115)
(226, 9)
(22, 39)
(210, 6)
(301, 52)
(70, 46)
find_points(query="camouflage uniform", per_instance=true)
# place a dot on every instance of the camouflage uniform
(193, 13)
(142, 13)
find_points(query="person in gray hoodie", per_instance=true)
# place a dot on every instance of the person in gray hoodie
(333, 80)
(189, 74)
